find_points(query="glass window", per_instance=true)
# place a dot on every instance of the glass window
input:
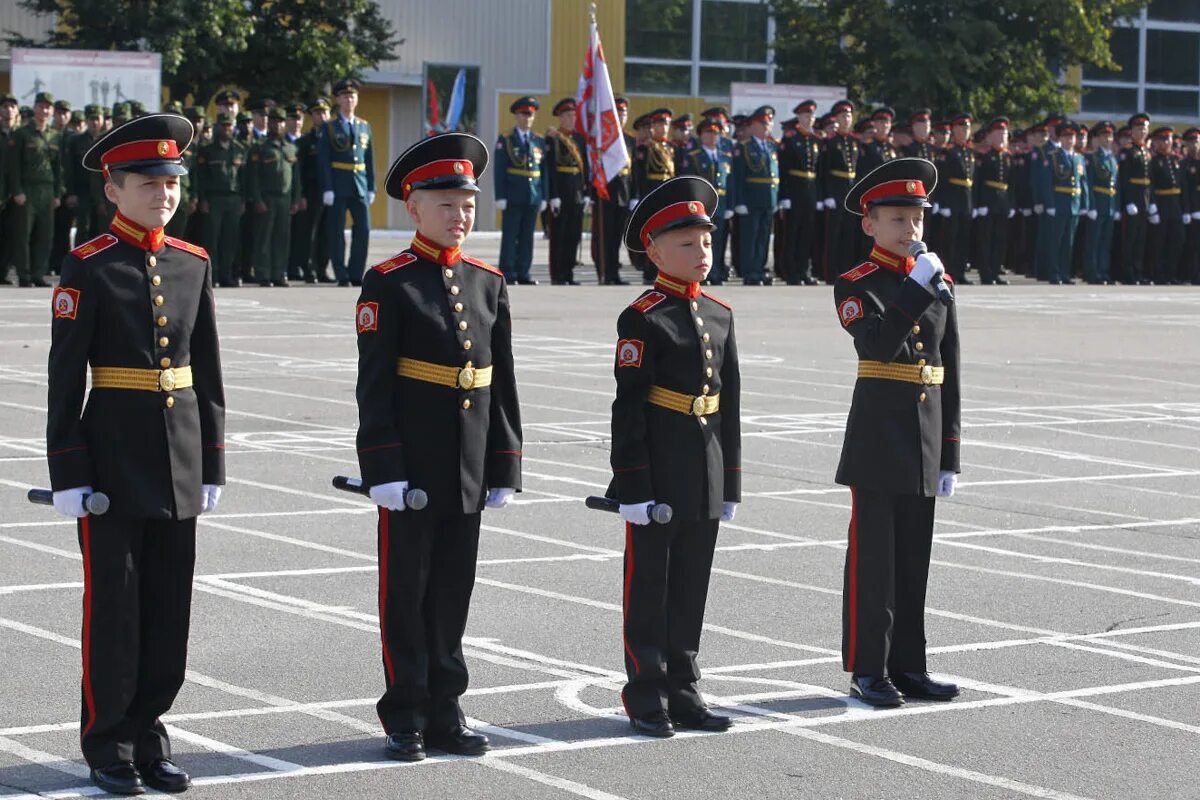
(658, 79)
(1172, 57)
(1172, 103)
(1174, 10)
(714, 81)
(733, 31)
(1107, 100)
(658, 29)
(1124, 46)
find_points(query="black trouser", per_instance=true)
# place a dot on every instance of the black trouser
(1133, 245)
(666, 584)
(883, 595)
(1166, 242)
(426, 574)
(956, 242)
(993, 242)
(608, 226)
(801, 222)
(137, 596)
(840, 244)
(566, 229)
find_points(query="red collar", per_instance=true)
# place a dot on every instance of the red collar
(676, 287)
(891, 261)
(431, 252)
(134, 234)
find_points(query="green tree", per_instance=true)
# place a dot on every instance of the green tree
(987, 57)
(281, 48)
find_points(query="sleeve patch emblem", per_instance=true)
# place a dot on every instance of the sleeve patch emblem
(629, 352)
(850, 310)
(65, 303)
(366, 317)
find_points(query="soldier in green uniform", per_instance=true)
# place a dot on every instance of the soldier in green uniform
(84, 188)
(1067, 197)
(754, 194)
(219, 189)
(181, 222)
(273, 188)
(35, 180)
(8, 126)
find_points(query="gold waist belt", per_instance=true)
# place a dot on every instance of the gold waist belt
(996, 185)
(1140, 181)
(799, 173)
(1105, 190)
(841, 173)
(720, 192)
(907, 373)
(967, 182)
(769, 181)
(526, 173)
(348, 166)
(1071, 190)
(1167, 192)
(624, 171)
(700, 406)
(569, 170)
(467, 377)
(145, 380)
(659, 176)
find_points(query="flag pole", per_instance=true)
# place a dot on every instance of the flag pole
(598, 245)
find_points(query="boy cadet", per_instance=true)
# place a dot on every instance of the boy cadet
(901, 445)
(151, 437)
(677, 441)
(707, 160)
(273, 186)
(437, 404)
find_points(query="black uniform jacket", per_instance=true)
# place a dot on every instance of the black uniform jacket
(899, 436)
(442, 307)
(679, 338)
(150, 451)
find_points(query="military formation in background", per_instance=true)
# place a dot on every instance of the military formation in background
(267, 201)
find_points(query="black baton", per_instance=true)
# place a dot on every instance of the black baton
(659, 512)
(95, 503)
(416, 499)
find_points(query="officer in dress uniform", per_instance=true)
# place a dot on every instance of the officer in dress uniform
(521, 191)
(1102, 178)
(610, 216)
(312, 248)
(1068, 196)
(837, 171)
(1169, 209)
(754, 194)
(151, 437)
(676, 440)
(956, 170)
(993, 201)
(437, 405)
(346, 160)
(218, 186)
(653, 165)
(569, 178)
(273, 189)
(1191, 250)
(707, 160)
(902, 435)
(1133, 167)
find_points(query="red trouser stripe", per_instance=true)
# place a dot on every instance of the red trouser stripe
(383, 583)
(628, 583)
(88, 698)
(852, 562)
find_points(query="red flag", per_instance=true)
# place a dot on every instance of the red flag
(433, 107)
(596, 117)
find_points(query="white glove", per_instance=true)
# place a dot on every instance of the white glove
(1152, 209)
(327, 198)
(983, 211)
(1131, 210)
(555, 205)
(945, 212)
(1026, 212)
(390, 495)
(820, 205)
(785, 204)
(633, 204)
(927, 269)
(974, 213)
(830, 203)
(210, 495)
(541, 206)
(1155, 219)
(728, 512)
(741, 211)
(637, 513)
(501, 204)
(728, 213)
(370, 198)
(937, 208)
(498, 498)
(1116, 216)
(69, 502)
(1012, 212)
(1092, 213)
(1187, 218)
(1050, 212)
(587, 204)
(1038, 208)
(946, 483)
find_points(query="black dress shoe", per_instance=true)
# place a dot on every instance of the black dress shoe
(324, 279)
(24, 284)
(749, 282)
(618, 282)
(573, 283)
(1069, 282)
(459, 740)
(343, 284)
(703, 720)
(657, 724)
(1001, 281)
(119, 778)
(165, 776)
(310, 279)
(283, 284)
(405, 746)
(38, 283)
(526, 282)
(919, 684)
(965, 281)
(356, 281)
(875, 690)
(811, 281)
(265, 284)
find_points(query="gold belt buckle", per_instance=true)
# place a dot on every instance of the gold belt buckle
(466, 377)
(166, 380)
(698, 407)
(927, 375)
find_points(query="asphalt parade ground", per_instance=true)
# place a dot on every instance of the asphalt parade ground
(1064, 593)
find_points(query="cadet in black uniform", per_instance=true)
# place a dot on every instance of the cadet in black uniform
(837, 171)
(1133, 170)
(956, 168)
(653, 165)
(569, 181)
(151, 437)
(798, 189)
(437, 407)
(993, 202)
(676, 440)
(902, 435)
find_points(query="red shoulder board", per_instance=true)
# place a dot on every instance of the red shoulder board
(475, 262)
(89, 249)
(717, 300)
(180, 244)
(395, 262)
(649, 301)
(861, 271)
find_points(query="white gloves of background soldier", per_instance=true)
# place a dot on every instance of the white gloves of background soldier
(741, 211)
(785, 204)
(501, 204)
(1050, 212)
(498, 498)
(728, 213)
(555, 205)
(926, 271)
(1092, 213)
(69, 502)
(390, 495)
(830, 203)
(370, 198)
(946, 483)
(636, 513)
(1131, 210)
(945, 212)
(327, 198)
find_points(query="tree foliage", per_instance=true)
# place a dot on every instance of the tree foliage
(988, 57)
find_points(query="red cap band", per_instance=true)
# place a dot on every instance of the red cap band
(146, 150)
(893, 189)
(688, 208)
(443, 168)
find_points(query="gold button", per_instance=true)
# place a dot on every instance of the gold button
(706, 337)
(458, 307)
(704, 389)
(699, 322)
(708, 372)
(467, 403)
(162, 321)
(163, 341)
(708, 353)
(449, 272)
(453, 290)
(164, 362)
(920, 346)
(462, 326)
(916, 329)
(467, 344)
(151, 261)
(921, 363)
(170, 402)
(156, 280)
(922, 397)
(159, 300)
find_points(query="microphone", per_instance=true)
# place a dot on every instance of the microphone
(918, 248)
